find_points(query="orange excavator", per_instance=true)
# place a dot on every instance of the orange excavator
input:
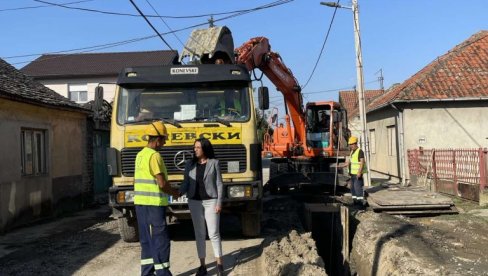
(302, 152)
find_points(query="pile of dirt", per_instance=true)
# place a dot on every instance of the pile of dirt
(294, 254)
(287, 248)
(443, 245)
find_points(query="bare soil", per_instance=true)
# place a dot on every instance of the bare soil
(439, 245)
(288, 249)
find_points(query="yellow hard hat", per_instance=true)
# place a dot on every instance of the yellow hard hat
(352, 140)
(156, 129)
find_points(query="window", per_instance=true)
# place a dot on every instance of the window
(187, 104)
(33, 146)
(391, 133)
(78, 93)
(372, 141)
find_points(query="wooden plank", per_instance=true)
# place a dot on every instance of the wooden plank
(409, 207)
(405, 197)
(345, 234)
(423, 212)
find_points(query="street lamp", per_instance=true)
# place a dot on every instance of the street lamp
(360, 80)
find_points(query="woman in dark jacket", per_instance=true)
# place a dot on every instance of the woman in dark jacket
(203, 186)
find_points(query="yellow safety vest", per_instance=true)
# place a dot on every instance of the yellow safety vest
(146, 188)
(355, 164)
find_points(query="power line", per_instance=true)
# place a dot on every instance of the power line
(167, 26)
(151, 25)
(42, 6)
(273, 4)
(133, 40)
(101, 46)
(323, 46)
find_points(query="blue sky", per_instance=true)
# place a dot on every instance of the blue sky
(399, 37)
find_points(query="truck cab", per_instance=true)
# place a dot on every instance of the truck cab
(205, 100)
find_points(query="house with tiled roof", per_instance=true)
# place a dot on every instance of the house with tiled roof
(441, 106)
(43, 138)
(75, 76)
(349, 100)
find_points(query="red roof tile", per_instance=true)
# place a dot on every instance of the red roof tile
(460, 73)
(349, 100)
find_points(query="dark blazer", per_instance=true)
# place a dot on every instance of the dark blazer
(212, 178)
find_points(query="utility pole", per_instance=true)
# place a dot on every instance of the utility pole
(360, 83)
(380, 78)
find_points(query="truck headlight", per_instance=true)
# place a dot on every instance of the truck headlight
(125, 197)
(240, 191)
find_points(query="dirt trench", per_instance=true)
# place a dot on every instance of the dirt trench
(288, 249)
(441, 245)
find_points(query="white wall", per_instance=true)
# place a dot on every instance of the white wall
(61, 86)
(383, 160)
(454, 125)
(457, 124)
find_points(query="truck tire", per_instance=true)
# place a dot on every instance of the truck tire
(128, 229)
(251, 224)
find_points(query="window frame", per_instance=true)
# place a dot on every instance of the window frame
(76, 89)
(372, 141)
(36, 165)
(391, 140)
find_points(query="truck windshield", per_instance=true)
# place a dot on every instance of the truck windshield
(185, 104)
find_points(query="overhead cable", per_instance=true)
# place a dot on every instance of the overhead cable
(150, 24)
(133, 40)
(323, 46)
(42, 6)
(270, 5)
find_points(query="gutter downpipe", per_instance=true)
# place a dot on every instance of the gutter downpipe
(401, 145)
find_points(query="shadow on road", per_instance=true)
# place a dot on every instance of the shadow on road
(69, 246)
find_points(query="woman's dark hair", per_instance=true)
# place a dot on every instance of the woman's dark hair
(207, 149)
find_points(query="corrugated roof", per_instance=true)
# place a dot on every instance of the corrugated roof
(17, 86)
(460, 73)
(95, 64)
(349, 100)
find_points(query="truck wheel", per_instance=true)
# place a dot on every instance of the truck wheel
(128, 229)
(251, 224)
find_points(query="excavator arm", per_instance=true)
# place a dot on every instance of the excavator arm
(256, 53)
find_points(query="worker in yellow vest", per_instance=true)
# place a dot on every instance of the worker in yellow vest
(151, 190)
(357, 168)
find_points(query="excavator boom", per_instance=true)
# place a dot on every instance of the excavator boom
(256, 54)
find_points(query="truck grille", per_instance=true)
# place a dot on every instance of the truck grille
(224, 153)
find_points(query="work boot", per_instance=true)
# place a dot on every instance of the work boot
(202, 271)
(220, 270)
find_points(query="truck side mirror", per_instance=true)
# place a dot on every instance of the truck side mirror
(263, 97)
(98, 101)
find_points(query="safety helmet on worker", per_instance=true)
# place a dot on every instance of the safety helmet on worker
(353, 140)
(156, 129)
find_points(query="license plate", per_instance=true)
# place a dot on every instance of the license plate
(181, 200)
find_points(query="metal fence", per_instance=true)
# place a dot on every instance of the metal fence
(458, 172)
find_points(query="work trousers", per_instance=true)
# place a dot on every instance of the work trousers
(357, 185)
(154, 239)
(201, 211)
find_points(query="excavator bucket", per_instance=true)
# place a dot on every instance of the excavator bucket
(212, 45)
